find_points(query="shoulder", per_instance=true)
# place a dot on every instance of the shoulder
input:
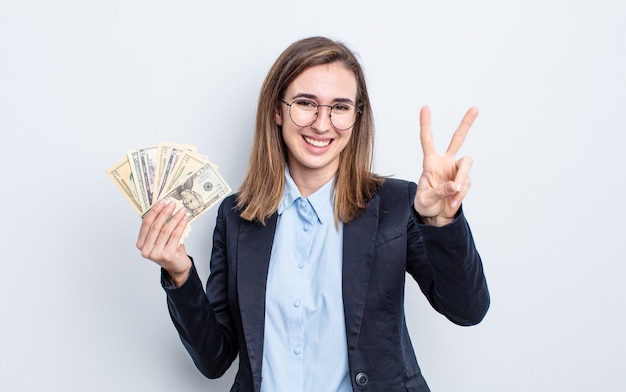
(230, 201)
(394, 199)
(228, 207)
(391, 183)
(394, 190)
(231, 212)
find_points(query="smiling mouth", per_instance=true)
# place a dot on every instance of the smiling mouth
(317, 143)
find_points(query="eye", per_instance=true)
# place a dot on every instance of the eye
(341, 107)
(305, 104)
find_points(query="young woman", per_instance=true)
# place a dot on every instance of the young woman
(310, 256)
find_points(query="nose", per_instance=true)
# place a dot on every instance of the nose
(322, 122)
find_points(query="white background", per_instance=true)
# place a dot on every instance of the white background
(83, 81)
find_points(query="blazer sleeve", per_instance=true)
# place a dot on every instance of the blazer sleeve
(452, 278)
(205, 327)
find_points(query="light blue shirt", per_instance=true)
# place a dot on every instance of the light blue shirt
(304, 347)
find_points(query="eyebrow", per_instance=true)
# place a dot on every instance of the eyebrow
(314, 97)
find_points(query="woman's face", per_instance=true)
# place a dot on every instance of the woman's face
(315, 149)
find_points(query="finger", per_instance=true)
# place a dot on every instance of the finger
(463, 168)
(460, 196)
(155, 229)
(163, 232)
(461, 132)
(179, 230)
(147, 221)
(445, 190)
(174, 256)
(461, 181)
(169, 235)
(426, 132)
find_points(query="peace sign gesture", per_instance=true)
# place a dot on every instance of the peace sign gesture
(444, 181)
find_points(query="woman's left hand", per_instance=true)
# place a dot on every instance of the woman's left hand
(445, 180)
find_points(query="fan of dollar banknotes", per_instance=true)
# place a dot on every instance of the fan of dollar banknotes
(169, 171)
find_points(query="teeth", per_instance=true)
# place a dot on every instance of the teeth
(317, 143)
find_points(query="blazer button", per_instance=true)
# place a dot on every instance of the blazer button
(361, 379)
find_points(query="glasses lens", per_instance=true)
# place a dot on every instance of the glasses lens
(343, 115)
(304, 112)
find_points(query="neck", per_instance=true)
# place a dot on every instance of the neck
(309, 181)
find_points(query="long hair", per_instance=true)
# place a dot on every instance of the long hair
(355, 184)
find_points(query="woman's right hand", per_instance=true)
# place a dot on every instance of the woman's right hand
(159, 238)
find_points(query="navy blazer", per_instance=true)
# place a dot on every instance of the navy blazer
(379, 247)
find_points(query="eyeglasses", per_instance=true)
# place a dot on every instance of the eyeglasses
(304, 112)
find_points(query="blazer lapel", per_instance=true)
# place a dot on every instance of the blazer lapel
(254, 249)
(359, 237)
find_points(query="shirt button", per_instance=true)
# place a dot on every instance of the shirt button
(307, 227)
(361, 379)
(296, 303)
(297, 350)
(302, 204)
(300, 265)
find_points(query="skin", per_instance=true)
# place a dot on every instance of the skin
(159, 240)
(443, 185)
(445, 181)
(311, 166)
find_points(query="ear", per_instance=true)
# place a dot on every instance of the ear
(279, 116)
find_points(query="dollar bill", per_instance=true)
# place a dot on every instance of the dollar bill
(122, 176)
(199, 192)
(135, 166)
(169, 156)
(163, 151)
(171, 171)
(147, 157)
(188, 164)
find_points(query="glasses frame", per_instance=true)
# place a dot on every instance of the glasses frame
(330, 114)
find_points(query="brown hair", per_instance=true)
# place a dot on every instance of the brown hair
(263, 184)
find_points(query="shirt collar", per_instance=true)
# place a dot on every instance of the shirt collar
(321, 201)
